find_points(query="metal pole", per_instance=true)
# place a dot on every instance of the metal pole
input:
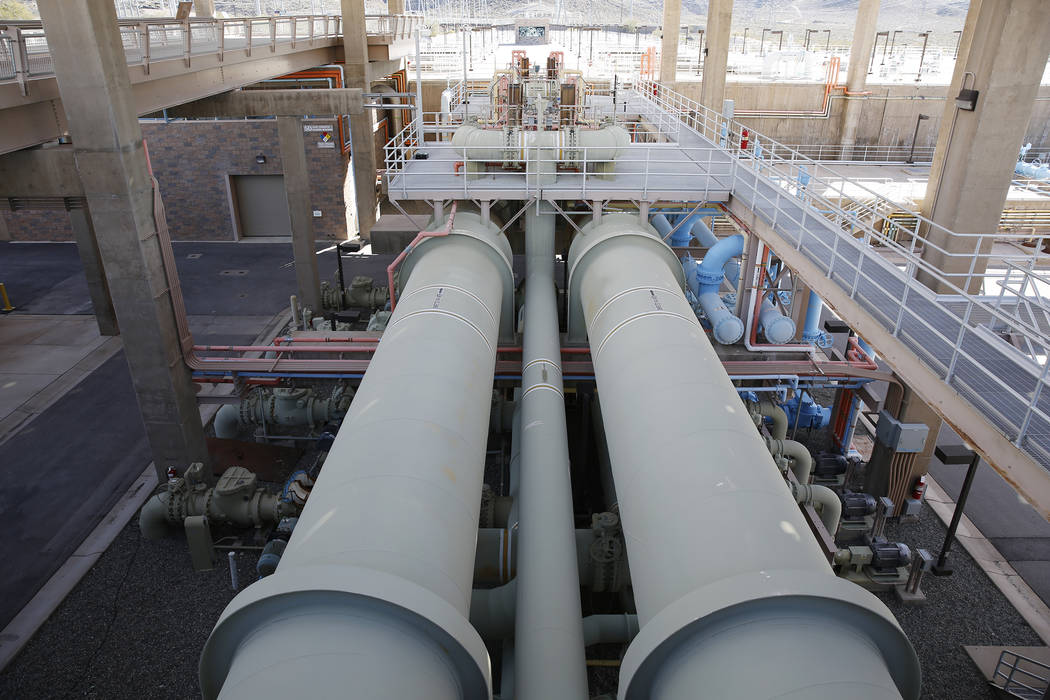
(914, 136)
(419, 95)
(942, 568)
(925, 38)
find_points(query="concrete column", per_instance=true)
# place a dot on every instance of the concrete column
(111, 161)
(1002, 55)
(362, 130)
(293, 157)
(395, 7)
(719, 22)
(300, 210)
(5, 235)
(91, 260)
(669, 44)
(914, 410)
(857, 75)
(204, 8)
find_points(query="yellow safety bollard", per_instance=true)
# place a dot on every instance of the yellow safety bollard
(3, 297)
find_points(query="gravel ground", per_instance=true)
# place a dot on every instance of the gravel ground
(135, 625)
(132, 628)
(962, 609)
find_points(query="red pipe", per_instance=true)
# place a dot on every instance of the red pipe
(408, 249)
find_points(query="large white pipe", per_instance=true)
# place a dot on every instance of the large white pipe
(548, 637)
(365, 600)
(572, 146)
(724, 570)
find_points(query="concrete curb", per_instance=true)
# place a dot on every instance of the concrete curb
(1020, 595)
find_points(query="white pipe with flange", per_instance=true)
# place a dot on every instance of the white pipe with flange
(723, 567)
(572, 146)
(548, 637)
(365, 600)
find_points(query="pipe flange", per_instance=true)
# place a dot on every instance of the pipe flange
(344, 589)
(709, 608)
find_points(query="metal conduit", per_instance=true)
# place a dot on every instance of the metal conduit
(548, 639)
(366, 601)
(723, 568)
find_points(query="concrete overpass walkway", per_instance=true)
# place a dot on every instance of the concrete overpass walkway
(172, 62)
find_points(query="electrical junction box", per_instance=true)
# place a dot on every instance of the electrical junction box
(912, 508)
(900, 437)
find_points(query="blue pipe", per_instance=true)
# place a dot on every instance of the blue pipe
(778, 328)
(707, 278)
(726, 328)
(866, 348)
(661, 224)
(703, 233)
(811, 330)
(712, 269)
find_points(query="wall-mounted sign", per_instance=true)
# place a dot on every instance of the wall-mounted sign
(308, 128)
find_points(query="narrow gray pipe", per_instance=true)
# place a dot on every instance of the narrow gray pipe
(548, 642)
(609, 629)
(799, 454)
(768, 409)
(365, 600)
(496, 561)
(492, 612)
(824, 500)
(760, 582)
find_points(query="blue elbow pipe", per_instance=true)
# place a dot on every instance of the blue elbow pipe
(707, 239)
(778, 328)
(712, 269)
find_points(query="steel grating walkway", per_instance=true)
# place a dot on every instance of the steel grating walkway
(985, 370)
(950, 338)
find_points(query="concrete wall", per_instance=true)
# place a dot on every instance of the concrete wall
(888, 117)
(193, 161)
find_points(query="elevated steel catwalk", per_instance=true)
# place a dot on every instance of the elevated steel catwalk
(986, 388)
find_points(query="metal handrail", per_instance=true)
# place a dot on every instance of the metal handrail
(795, 194)
(24, 54)
(1013, 666)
